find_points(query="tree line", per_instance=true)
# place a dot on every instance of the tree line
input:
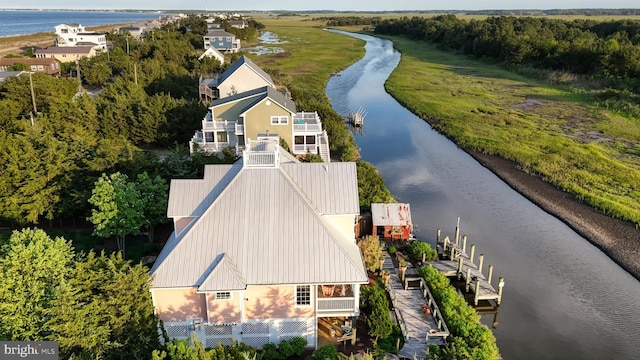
(608, 51)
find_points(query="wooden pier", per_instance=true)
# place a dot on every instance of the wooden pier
(415, 311)
(454, 261)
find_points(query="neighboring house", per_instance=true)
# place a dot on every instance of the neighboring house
(260, 113)
(262, 250)
(392, 221)
(139, 29)
(221, 40)
(238, 24)
(47, 66)
(66, 54)
(4, 75)
(241, 76)
(76, 35)
(212, 53)
(136, 32)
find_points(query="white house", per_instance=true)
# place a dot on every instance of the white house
(76, 35)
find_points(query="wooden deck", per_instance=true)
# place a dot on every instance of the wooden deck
(455, 262)
(419, 329)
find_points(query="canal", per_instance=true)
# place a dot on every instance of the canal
(564, 298)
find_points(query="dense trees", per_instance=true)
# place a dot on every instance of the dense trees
(148, 99)
(94, 306)
(608, 50)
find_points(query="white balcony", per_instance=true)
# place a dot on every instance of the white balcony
(336, 304)
(218, 125)
(301, 149)
(239, 130)
(307, 123)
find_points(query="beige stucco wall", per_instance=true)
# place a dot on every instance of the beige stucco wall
(179, 304)
(275, 302)
(258, 121)
(243, 79)
(224, 311)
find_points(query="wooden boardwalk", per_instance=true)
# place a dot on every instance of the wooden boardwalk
(455, 262)
(419, 329)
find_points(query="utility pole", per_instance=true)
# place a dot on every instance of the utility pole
(33, 98)
(78, 76)
(127, 38)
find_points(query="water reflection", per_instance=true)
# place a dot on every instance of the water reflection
(563, 299)
(266, 38)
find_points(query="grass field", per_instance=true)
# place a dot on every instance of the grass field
(549, 131)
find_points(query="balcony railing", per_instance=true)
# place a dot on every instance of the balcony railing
(307, 128)
(239, 129)
(334, 304)
(300, 149)
(218, 125)
(307, 122)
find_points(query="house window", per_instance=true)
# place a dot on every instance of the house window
(222, 137)
(303, 295)
(279, 120)
(299, 140)
(310, 139)
(40, 67)
(223, 295)
(228, 38)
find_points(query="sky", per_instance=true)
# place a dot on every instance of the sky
(340, 5)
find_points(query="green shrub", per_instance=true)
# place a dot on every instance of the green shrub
(326, 352)
(298, 344)
(418, 248)
(270, 352)
(393, 250)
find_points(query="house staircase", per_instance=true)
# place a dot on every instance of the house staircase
(324, 147)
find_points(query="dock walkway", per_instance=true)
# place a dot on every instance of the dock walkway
(408, 297)
(455, 262)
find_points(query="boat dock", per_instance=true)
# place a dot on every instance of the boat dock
(357, 118)
(454, 261)
(415, 311)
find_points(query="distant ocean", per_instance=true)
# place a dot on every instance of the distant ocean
(21, 22)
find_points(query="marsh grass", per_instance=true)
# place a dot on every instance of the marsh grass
(554, 132)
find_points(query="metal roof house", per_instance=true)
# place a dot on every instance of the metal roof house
(392, 221)
(256, 244)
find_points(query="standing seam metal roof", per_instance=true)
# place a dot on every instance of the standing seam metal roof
(269, 221)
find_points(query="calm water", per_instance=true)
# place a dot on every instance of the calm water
(563, 299)
(20, 22)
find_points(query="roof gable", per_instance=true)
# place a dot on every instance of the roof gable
(223, 276)
(245, 61)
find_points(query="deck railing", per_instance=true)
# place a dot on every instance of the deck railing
(336, 304)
